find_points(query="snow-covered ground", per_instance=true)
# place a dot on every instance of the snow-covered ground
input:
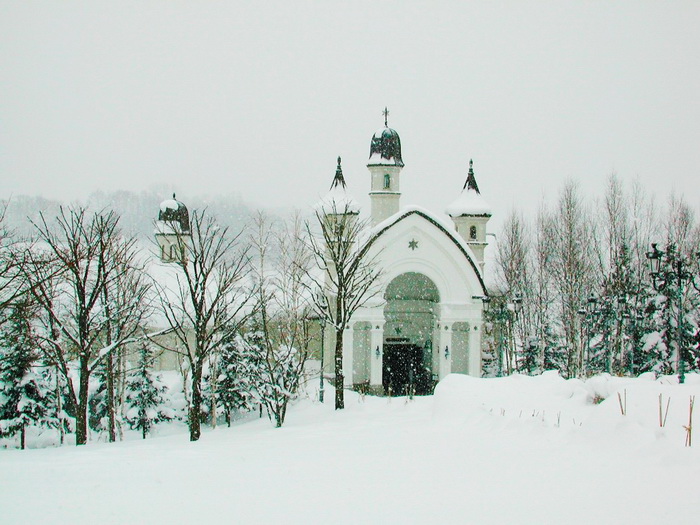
(511, 450)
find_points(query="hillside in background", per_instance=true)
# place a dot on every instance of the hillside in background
(137, 210)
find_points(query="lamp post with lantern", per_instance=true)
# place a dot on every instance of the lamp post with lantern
(503, 312)
(669, 268)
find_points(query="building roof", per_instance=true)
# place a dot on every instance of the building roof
(338, 200)
(470, 203)
(447, 229)
(173, 214)
(385, 148)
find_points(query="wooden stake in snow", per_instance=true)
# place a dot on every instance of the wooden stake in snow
(663, 415)
(623, 407)
(689, 428)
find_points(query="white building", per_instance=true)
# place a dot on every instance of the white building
(427, 322)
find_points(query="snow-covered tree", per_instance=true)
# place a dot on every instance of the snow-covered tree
(239, 368)
(146, 400)
(349, 276)
(25, 397)
(207, 305)
(279, 328)
(68, 273)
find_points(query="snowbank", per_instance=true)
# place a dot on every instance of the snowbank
(510, 450)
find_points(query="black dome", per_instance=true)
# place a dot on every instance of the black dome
(385, 148)
(173, 210)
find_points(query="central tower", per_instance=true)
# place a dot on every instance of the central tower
(385, 170)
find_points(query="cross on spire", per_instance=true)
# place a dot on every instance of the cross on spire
(386, 117)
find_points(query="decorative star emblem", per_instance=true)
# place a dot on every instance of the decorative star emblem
(413, 244)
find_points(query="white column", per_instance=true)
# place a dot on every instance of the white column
(445, 342)
(475, 347)
(348, 352)
(376, 341)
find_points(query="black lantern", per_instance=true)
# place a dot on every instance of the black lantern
(654, 258)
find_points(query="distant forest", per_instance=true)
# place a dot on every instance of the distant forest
(137, 211)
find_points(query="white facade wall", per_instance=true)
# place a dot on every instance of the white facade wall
(416, 244)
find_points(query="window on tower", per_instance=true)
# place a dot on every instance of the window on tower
(387, 181)
(472, 233)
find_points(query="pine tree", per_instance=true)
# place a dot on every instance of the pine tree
(529, 357)
(24, 397)
(554, 355)
(146, 402)
(236, 385)
(97, 401)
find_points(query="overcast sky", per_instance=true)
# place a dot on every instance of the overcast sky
(259, 98)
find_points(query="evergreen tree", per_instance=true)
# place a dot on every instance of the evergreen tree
(236, 385)
(24, 397)
(554, 355)
(97, 401)
(529, 362)
(146, 402)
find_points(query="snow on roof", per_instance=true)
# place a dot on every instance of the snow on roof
(446, 225)
(469, 202)
(337, 201)
(377, 160)
(169, 204)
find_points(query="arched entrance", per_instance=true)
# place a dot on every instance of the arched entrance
(410, 313)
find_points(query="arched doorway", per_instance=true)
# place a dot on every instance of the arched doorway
(409, 314)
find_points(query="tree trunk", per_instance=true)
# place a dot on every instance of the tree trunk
(59, 406)
(194, 420)
(339, 379)
(22, 435)
(110, 399)
(81, 414)
(212, 383)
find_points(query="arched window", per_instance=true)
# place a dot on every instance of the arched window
(472, 233)
(387, 181)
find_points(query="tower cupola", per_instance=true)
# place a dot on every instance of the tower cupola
(385, 165)
(385, 148)
(173, 230)
(470, 213)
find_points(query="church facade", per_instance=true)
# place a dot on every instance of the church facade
(427, 320)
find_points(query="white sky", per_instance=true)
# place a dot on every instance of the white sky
(259, 98)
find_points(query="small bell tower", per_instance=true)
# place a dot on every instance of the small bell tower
(173, 231)
(470, 213)
(385, 166)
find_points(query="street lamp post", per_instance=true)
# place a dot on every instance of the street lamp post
(587, 313)
(503, 312)
(661, 278)
(634, 320)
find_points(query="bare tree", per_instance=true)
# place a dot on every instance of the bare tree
(349, 275)
(571, 267)
(80, 258)
(513, 267)
(10, 275)
(205, 308)
(126, 304)
(282, 312)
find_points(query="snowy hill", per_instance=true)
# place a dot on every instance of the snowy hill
(510, 450)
